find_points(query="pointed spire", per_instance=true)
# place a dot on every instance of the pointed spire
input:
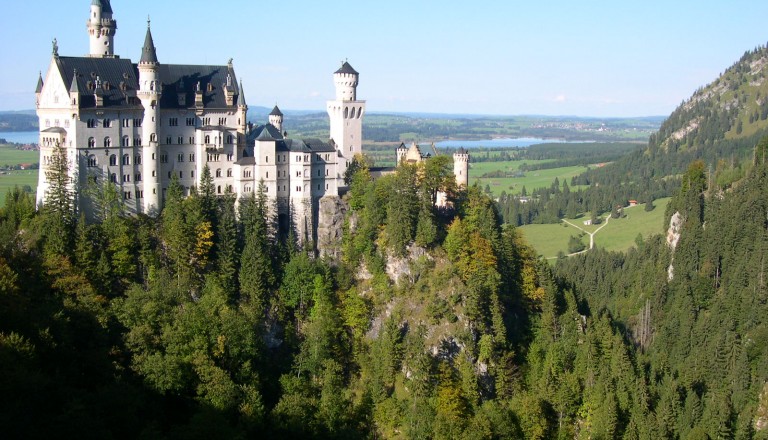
(347, 68)
(74, 88)
(242, 95)
(39, 87)
(276, 112)
(148, 53)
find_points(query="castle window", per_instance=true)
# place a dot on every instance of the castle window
(229, 139)
(318, 174)
(126, 141)
(163, 158)
(192, 174)
(326, 186)
(137, 122)
(207, 139)
(218, 172)
(346, 112)
(139, 194)
(180, 140)
(138, 177)
(326, 173)
(191, 140)
(126, 177)
(113, 178)
(137, 159)
(173, 122)
(107, 142)
(229, 157)
(107, 123)
(218, 189)
(206, 121)
(192, 157)
(137, 142)
(91, 123)
(92, 161)
(154, 173)
(153, 137)
(229, 172)
(126, 122)
(112, 160)
(169, 174)
(267, 174)
(91, 142)
(180, 157)
(266, 159)
(126, 159)
(190, 122)
(168, 140)
(127, 195)
(318, 187)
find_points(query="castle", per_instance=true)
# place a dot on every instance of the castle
(139, 124)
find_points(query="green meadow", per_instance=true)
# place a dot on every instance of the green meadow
(9, 179)
(514, 185)
(618, 235)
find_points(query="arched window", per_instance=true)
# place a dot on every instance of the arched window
(218, 172)
(229, 172)
(346, 112)
(113, 178)
(107, 142)
(126, 141)
(91, 142)
(126, 159)
(112, 160)
(92, 161)
(153, 137)
(218, 189)
(207, 139)
(229, 139)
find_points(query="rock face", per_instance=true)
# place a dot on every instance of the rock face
(399, 267)
(330, 226)
(673, 237)
(761, 415)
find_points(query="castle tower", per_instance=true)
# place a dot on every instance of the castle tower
(400, 153)
(276, 119)
(149, 94)
(101, 30)
(346, 115)
(461, 167)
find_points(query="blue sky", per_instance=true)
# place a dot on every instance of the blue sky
(557, 57)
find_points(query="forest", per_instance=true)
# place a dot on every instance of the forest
(209, 321)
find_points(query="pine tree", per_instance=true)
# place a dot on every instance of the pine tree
(59, 208)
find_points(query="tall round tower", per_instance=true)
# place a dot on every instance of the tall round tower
(461, 167)
(101, 29)
(149, 94)
(346, 117)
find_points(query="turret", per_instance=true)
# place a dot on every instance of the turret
(461, 167)
(400, 153)
(38, 89)
(149, 94)
(346, 117)
(74, 91)
(101, 29)
(346, 79)
(276, 119)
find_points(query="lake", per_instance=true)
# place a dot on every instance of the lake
(513, 142)
(20, 137)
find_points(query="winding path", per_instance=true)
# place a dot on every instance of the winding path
(591, 236)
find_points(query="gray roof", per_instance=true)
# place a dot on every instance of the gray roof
(74, 87)
(246, 161)
(55, 130)
(148, 52)
(276, 112)
(117, 76)
(120, 79)
(461, 151)
(346, 68)
(267, 132)
(242, 95)
(105, 6)
(39, 87)
(183, 79)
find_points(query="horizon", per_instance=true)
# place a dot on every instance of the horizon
(596, 60)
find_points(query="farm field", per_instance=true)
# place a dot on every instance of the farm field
(9, 179)
(10, 156)
(618, 235)
(514, 185)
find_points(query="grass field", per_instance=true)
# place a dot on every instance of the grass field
(10, 156)
(12, 178)
(618, 235)
(514, 185)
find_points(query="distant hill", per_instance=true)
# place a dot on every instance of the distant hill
(720, 124)
(24, 120)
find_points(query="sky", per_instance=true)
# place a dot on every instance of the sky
(497, 57)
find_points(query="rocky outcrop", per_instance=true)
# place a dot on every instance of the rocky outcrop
(330, 226)
(673, 237)
(401, 267)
